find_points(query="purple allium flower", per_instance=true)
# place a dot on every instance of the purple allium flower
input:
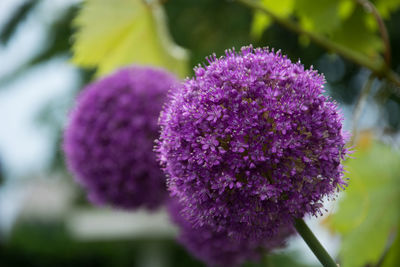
(217, 248)
(251, 142)
(109, 140)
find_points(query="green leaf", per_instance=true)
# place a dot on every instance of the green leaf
(370, 207)
(357, 35)
(318, 16)
(116, 33)
(259, 24)
(342, 21)
(386, 7)
(392, 258)
(282, 8)
(346, 8)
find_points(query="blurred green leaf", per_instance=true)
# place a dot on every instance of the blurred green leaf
(343, 21)
(356, 35)
(282, 8)
(259, 24)
(392, 259)
(385, 7)
(370, 208)
(346, 8)
(116, 33)
(318, 16)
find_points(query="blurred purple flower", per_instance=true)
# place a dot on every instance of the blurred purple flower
(250, 143)
(109, 140)
(217, 248)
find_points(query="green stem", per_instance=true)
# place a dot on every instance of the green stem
(378, 66)
(314, 244)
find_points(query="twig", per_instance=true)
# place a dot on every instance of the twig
(369, 7)
(359, 106)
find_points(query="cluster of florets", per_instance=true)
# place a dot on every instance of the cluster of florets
(109, 140)
(250, 143)
(217, 248)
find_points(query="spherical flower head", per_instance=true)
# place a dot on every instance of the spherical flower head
(251, 142)
(217, 248)
(109, 139)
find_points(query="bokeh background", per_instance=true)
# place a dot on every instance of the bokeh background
(45, 219)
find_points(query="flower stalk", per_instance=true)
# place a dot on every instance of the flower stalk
(313, 243)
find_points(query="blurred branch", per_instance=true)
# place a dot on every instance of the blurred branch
(378, 67)
(359, 106)
(1, 174)
(369, 7)
(11, 25)
(59, 32)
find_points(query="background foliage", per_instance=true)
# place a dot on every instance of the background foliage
(101, 35)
